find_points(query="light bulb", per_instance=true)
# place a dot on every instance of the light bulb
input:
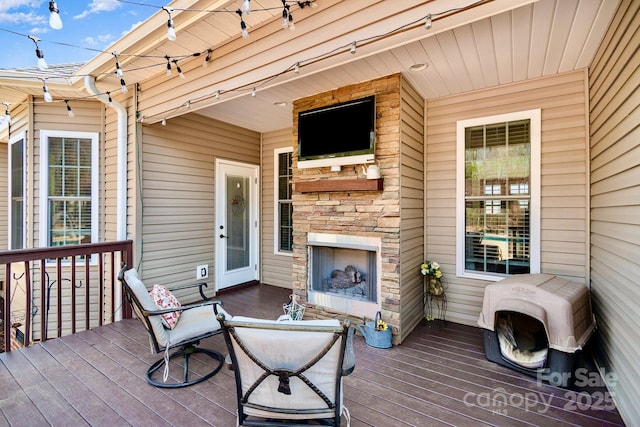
(285, 18)
(123, 86)
(70, 112)
(47, 95)
(42, 64)
(246, 7)
(171, 32)
(353, 47)
(297, 68)
(427, 22)
(253, 91)
(243, 27)
(207, 58)
(292, 27)
(164, 121)
(54, 17)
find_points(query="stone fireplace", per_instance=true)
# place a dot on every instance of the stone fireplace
(358, 242)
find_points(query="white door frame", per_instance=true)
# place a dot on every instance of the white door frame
(223, 277)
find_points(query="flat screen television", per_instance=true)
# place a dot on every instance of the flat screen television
(339, 134)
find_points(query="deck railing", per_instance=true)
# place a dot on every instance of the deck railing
(55, 291)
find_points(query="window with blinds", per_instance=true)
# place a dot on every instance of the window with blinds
(284, 188)
(17, 194)
(68, 203)
(497, 174)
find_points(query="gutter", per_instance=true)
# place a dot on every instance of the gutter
(121, 196)
(121, 188)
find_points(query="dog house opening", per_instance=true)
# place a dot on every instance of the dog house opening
(523, 339)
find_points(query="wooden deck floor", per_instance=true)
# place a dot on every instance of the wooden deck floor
(438, 376)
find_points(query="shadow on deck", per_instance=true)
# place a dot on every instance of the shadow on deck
(438, 376)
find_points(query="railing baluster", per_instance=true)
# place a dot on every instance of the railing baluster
(73, 294)
(27, 291)
(6, 322)
(59, 302)
(44, 302)
(87, 311)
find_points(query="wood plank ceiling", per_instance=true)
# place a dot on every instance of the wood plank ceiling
(491, 43)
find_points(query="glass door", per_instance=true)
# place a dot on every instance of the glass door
(236, 223)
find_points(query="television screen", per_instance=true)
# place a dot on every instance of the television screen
(338, 134)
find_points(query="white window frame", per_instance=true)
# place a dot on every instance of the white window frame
(20, 137)
(534, 116)
(276, 200)
(44, 181)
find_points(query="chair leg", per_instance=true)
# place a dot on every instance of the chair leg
(185, 352)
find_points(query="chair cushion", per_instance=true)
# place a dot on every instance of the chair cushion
(164, 299)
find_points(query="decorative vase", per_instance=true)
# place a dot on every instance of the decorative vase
(435, 286)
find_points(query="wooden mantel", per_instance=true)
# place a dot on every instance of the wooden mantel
(327, 185)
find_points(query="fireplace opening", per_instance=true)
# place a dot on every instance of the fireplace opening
(344, 273)
(349, 273)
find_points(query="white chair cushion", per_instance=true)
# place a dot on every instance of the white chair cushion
(288, 349)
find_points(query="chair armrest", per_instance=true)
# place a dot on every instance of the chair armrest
(184, 307)
(200, 285)
(349, 361)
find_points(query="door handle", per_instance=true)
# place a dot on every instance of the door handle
(222, 236)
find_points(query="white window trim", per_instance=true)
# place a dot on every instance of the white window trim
(44, 181)
(21, 136)
(534, 220)
(276, 213)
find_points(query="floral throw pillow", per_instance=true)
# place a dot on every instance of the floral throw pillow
(164, 299)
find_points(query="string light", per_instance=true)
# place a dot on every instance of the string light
(109, 97)
(246, 7)
(45, 90)
(118, 68)
(178, 69)
(243, 25)
(303, 4)
(70, 112)
(54, 17)
(171, 31)
(292, 27)
(164, 121)
(168, 65)
(207, 58)
(285, 14)
(42, 64)
(353, 46)
(6, 111)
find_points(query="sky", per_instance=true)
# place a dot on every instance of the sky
(88, 27)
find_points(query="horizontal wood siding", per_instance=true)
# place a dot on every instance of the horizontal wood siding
(564, 179)
(276, 268)
(178, 193)
(412, 207)
(614, 85)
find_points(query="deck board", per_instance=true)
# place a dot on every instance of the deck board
(438, 376)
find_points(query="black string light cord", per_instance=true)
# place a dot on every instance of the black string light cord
(163, 61)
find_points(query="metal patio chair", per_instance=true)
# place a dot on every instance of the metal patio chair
(289, 372)
(196, 322)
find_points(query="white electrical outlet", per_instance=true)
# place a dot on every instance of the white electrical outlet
(202, 271)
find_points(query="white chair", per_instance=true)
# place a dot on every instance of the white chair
(289, 372)
(197, 321)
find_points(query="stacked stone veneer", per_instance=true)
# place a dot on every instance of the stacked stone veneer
(361, 213)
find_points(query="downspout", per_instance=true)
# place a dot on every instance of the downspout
(121, 186)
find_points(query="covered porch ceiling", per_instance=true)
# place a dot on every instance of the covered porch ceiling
(471, 45)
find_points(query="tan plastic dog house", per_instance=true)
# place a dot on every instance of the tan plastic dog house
(536, 324)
